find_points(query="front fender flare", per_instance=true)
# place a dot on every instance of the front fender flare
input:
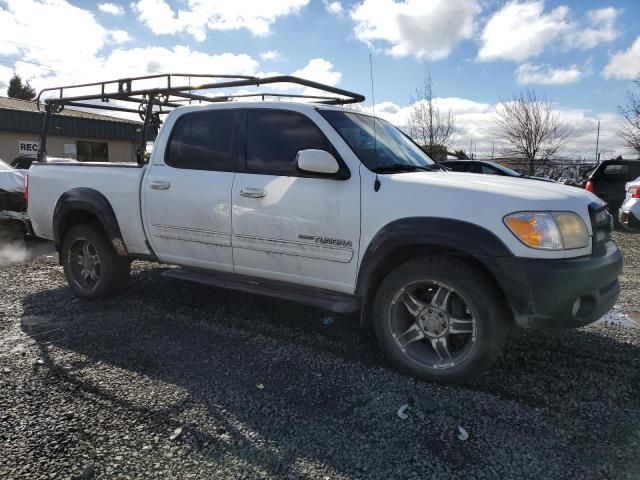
(455, 237)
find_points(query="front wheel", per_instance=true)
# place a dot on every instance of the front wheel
(440, 319)
(92, 267)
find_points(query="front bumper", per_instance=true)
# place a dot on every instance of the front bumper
(629, 214)
(560, 293)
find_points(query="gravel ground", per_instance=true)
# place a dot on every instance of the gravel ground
(176, 380)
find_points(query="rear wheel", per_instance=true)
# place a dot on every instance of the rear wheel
(92, 267)
(440, 319)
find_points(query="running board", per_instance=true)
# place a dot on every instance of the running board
(314, 297)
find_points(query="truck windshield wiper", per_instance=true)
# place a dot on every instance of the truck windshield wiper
(404, 167)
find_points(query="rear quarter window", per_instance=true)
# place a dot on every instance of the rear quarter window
(615, 170)
(618, 172)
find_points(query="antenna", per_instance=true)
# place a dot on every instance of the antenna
(376, 183)
(598, 143)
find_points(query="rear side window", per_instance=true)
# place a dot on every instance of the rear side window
(616, 170)
(204, 141)
(274, 138)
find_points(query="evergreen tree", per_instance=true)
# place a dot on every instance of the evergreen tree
(20, 90)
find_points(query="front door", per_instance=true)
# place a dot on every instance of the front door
(288, 225)
(187, 192)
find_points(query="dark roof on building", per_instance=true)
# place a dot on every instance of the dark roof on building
(7, 103)
(23, 116)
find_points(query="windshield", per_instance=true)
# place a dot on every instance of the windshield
(4, 166)
(387, 147)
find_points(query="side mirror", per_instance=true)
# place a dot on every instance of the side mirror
(317, 161)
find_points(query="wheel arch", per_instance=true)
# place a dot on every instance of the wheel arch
(405, 239)
(85, 205)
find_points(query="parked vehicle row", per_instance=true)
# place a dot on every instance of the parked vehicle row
(487, 168)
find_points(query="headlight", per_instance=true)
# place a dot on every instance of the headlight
(548, 230)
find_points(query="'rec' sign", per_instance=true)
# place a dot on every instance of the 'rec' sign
(28, 147)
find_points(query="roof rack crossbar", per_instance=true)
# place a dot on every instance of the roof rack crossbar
(126, 89)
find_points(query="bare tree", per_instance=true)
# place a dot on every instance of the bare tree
(630, 112)
(427, 125)
(530, 129)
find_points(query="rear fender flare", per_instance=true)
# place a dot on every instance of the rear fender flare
(93, 202)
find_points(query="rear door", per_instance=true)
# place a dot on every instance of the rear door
(288, 225)
(187, 192)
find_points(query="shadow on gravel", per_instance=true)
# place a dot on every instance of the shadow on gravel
(324, 394)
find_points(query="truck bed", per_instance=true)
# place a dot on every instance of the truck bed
(118, 182)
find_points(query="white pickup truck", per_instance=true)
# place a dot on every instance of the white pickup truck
(342, 211)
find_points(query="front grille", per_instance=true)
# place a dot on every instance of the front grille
(602, 226)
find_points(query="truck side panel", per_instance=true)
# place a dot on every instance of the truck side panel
(119, 184)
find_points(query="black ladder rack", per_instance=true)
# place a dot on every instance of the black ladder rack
(172, 90)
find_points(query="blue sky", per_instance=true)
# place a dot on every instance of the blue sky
(581, 54)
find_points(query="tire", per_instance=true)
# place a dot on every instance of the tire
(413, 312)
(92, 267)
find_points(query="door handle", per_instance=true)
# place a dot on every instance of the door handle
(160, 185)
(252, 192)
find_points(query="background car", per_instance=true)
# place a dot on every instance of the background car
(24, 162)
(629, 213)
(12, 185)
(608, 182)
(485, 167)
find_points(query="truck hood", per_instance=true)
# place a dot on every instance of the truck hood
(518, 190)
(482, 200)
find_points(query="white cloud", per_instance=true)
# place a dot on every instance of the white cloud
(625, 64)
(474, 122)
(111, 8)
(601, 29)
(319, 70)
(423, 28)
(158, 16)
(334, 8)
(49, 45)
(200, 15)
(119, 36)
(544, 74)
(521, 30)
(161, 60)
(270, 55)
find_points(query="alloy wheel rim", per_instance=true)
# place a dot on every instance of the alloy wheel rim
(433, 324)
(85, 265)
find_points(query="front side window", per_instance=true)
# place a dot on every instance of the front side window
(376, 142)
(274, 138)
(204, 141)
